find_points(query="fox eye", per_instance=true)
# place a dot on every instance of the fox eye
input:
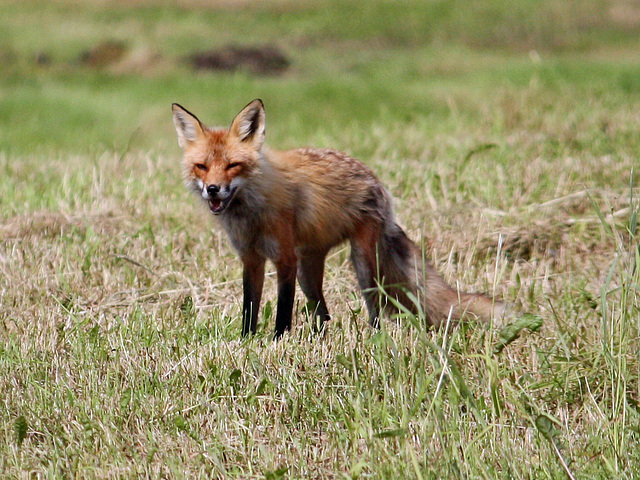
(201, 166)
(233, 165)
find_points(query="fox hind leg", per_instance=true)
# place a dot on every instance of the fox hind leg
(365, 262)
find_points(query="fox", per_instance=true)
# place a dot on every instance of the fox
(292, 207)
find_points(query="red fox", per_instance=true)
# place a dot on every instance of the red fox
(292, 207)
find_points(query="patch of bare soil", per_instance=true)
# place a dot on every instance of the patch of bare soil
(103, 54)
(261, 60)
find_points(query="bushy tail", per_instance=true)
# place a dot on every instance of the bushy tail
(402, 270)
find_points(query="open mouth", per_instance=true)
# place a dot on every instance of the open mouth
(217, 205)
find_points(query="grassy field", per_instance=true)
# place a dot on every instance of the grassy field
(508, 133)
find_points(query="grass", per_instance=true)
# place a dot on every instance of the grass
(508, 137)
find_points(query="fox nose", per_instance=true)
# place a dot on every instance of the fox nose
(213, 190)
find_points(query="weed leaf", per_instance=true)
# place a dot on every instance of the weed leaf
(483, 147)
(188, 308)
(511, 332)
(546, 425)
(20, 427)
(276, 474)
(234, 377)
(344, 361)
(398, 432)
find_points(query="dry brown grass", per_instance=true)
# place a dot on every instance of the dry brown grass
(127, 274)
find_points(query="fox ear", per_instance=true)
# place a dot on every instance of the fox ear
(187, 125)
(249, 124)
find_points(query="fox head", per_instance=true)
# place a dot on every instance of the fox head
(217, 161)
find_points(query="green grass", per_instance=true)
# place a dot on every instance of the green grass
(508, 135)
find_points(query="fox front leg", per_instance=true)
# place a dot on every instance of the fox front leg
(252, 281)
(286, 297)
(310, 275)
(286, 263)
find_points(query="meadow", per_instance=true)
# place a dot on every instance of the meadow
(508, 134)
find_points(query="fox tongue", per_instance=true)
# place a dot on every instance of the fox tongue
(215, 204)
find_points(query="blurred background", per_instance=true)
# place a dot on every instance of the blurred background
(95, 75)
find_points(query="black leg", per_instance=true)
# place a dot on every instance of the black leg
(310, 275)
(286, 297)
(252, 280)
